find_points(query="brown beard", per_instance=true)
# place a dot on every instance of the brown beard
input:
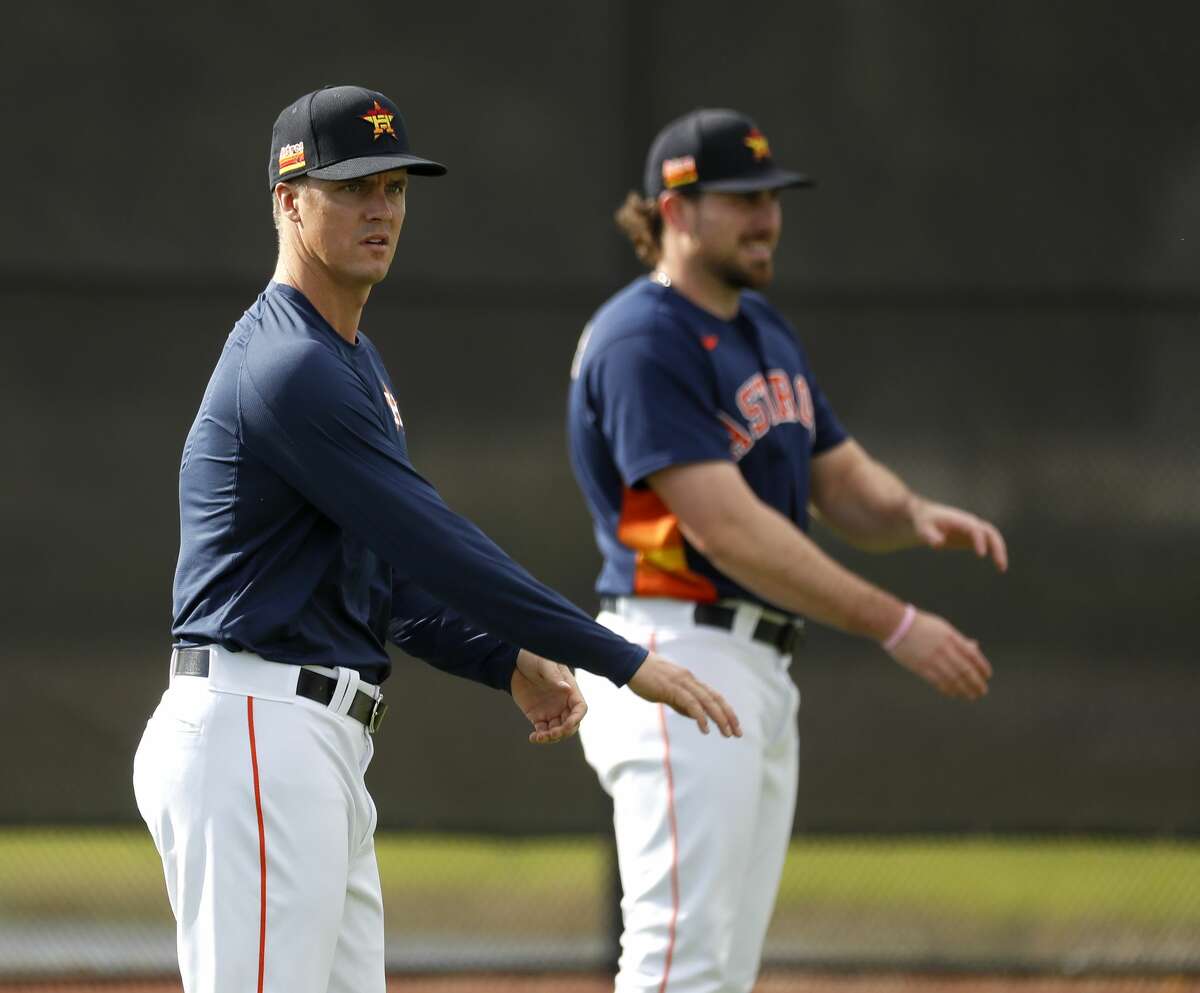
(738, 278)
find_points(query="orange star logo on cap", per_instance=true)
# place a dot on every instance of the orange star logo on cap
(381, 119)
(756, 141)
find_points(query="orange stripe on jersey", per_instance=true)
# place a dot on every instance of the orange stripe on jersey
(652, 531)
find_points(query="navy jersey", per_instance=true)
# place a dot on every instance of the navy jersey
(659, 381)
(307, 537)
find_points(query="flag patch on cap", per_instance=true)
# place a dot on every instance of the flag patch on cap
(291, 158)
(679, 172)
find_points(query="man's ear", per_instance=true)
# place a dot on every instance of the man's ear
(288, 197)
(676, 210)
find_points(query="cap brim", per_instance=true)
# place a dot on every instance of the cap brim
(368, 165)
(776, 179)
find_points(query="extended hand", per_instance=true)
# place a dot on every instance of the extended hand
(939, 654)
(940, 526)
(660, 681)
(547, 694)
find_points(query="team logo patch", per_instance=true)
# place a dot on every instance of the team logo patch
(380, 118)
(291, 158)
(391, 402)
(679, 172)
(756, 141)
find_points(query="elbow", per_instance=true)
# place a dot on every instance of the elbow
(718, 540)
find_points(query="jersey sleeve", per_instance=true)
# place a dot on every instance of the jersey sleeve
(656, 409)
(829, 430)
(309, 416)
(427, 629)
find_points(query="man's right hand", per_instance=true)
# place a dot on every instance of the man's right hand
(660, 681)
(939, 654)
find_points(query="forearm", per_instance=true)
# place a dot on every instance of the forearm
(867, 504)
(768, 554)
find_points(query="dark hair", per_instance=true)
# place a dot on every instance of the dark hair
(639, 218)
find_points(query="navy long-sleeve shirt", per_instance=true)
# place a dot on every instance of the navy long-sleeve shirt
(307, 537)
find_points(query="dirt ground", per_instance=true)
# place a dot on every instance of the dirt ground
(772, 983)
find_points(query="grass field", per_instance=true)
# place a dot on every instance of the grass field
(846, 899)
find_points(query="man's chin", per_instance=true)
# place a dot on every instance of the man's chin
(751, 277)
(367, 277)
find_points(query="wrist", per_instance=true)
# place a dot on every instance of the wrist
(913, 507)
(901, 629)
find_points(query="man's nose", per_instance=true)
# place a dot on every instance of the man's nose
(379, 205)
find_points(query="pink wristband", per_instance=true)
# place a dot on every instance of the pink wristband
(906, 622)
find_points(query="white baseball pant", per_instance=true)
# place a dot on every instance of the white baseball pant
(702, 822)
(256, 802)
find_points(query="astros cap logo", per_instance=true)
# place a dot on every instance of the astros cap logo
(756, 141)
(381, 118)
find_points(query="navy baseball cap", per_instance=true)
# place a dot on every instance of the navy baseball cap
(342, 132)
(714, 149)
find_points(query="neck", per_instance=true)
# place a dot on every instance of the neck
(700, 286)
(340, 305)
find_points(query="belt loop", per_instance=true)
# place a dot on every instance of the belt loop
(745, 620)
(344, 692)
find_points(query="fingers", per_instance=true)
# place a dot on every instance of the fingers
(952, 663)
(964, 669)
(988, 542)
(703, 703)
(967, 530)
(546, 692)
(561, 726)
(997, 547)
(688, 705)
(718, 708)
(932, 535)
(664, 682)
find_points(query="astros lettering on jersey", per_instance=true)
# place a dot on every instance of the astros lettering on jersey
(691, 387)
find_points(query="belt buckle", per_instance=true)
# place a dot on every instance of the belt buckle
(378, 711)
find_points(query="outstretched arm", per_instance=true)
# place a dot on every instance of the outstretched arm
(545, 691)
(869, 506)
(547, 694)
(765, 552)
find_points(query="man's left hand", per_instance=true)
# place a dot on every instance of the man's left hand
(547, 694)
(940, 526)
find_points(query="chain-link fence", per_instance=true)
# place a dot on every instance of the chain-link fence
(91, 902)
(994, 279)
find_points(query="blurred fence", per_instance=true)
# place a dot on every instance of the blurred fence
(1078, 438)
(92, 903)
(995, 279)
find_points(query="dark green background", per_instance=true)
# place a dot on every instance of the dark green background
(995, 279)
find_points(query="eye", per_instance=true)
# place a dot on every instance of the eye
(396, 189)
(352, 187)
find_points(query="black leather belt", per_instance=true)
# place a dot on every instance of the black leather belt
(365, 709)
(786, 637)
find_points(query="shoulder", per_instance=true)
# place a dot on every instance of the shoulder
(764, 313)
(768, 319)
(640, 320)
(287, 360)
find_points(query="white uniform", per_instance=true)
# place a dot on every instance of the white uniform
(256, 802)
(702, 824)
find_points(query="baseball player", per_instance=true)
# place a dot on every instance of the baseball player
(307, 540)
(700, 439)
